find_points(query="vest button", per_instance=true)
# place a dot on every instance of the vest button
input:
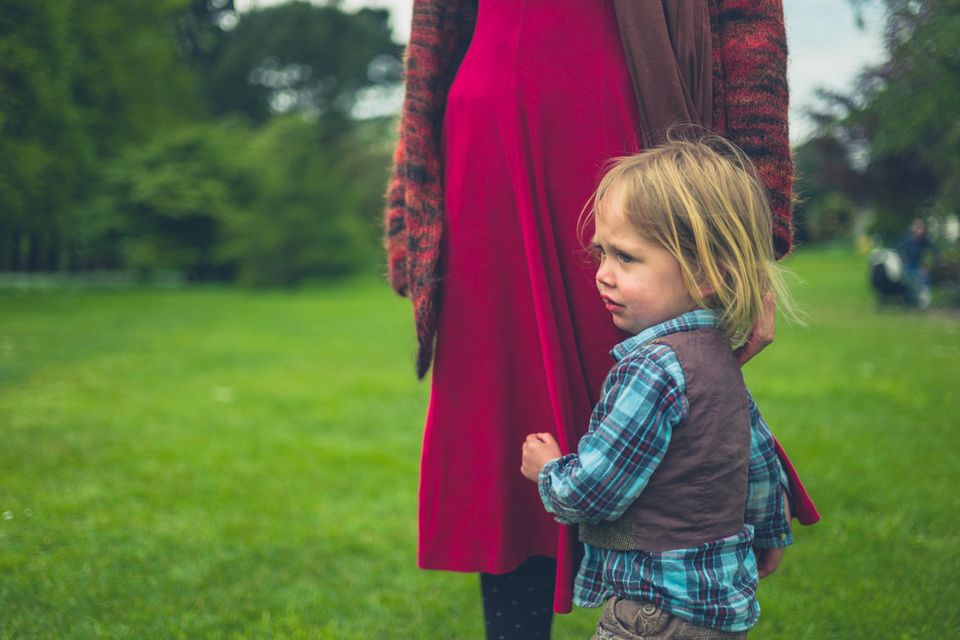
(648, 609)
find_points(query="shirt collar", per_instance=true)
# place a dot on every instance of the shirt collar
(696, 319)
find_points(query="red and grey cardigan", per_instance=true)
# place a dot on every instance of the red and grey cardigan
(750, 101)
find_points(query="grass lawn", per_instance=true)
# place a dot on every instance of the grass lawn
(214, 463)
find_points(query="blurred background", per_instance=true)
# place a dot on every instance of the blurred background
(193, 140)
(209, 419)
(248, 142)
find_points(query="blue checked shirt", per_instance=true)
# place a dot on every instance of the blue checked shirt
(712, 585)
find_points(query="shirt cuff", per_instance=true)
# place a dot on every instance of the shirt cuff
(773, 537)
(544, 484)
(775, 532)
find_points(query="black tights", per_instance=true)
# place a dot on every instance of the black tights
(519, 605)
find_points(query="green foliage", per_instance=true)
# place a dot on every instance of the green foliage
(274, 205)
(108, 158)
(910, 101)
(902, 118)
(213, 463)
(202, 27)
(298, 57)
(80, 81)
(318, 191)
(827, 189)
(131, 82)
(163, 204)
(829, 219)
(43, 147)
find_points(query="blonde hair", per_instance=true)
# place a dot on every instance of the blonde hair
(701, 199)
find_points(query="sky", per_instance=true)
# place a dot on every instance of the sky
(827, 49)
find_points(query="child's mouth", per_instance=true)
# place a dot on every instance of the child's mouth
(610, 304)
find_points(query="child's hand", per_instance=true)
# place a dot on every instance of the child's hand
(767, 560)
(538, 450)
(761, 335)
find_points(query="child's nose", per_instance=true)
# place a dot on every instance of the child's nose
(604, 275)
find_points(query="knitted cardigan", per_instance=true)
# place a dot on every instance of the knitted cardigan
(750, 100)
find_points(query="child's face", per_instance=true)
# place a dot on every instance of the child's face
(639, 280)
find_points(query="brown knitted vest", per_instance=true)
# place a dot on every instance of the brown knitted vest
(699, 491)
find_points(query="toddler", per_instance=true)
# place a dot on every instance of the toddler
(676, 486)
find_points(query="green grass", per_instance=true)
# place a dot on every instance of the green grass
(211, 463)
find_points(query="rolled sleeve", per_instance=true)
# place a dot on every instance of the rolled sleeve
(550, 471)
(765, 494)
(631, 430)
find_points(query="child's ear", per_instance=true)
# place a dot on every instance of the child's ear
(704, 287)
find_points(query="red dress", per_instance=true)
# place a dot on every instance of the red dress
(541, 101)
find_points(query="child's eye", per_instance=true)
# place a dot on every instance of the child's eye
(624, 258)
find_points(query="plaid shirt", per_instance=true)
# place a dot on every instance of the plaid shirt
(712, 585)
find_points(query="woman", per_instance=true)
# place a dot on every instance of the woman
(512, 109)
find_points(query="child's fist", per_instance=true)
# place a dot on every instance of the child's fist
(538, 450)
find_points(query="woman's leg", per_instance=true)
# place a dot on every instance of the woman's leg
(519, 605)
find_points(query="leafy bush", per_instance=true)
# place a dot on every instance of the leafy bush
(318, 193)
(163, 204)
(270, 206)
(829, 218)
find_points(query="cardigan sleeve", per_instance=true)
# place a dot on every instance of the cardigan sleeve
(395, 236)
(440, 33)
(753, 109)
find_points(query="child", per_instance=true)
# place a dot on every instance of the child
(676, 485)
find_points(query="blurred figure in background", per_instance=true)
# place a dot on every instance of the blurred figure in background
(918, 253)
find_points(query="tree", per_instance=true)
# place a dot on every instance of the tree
(202, 28)
(318, 204)
(109, 157)
(902, 119)
(268, 206)
(827, 189)
(81, 81)
(163, 205)
(301, 58)
(42, 142)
